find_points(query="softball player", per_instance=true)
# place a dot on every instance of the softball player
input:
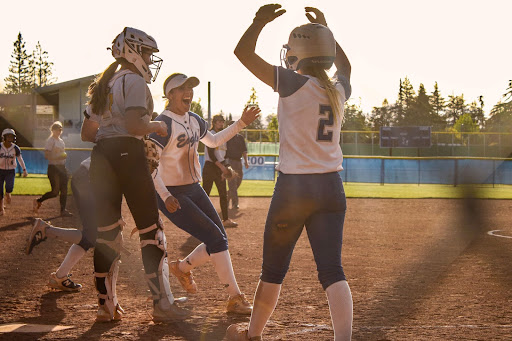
(54, 152)
(82, 240)
(181, 197)
(309, 191)
(9, 153)
(123, 102)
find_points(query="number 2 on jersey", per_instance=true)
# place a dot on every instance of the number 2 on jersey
(326, 121)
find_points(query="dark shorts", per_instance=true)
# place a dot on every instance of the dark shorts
(316, 201)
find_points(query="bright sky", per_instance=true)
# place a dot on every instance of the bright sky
(464, 45)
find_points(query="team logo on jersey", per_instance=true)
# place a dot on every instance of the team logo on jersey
(184, 140)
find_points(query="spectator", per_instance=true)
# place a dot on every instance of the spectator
(236, 149)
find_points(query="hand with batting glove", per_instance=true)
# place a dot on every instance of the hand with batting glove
(268, 13)
(172, 204)
(320, 18)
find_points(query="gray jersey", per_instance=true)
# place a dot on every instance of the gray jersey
(127, 90)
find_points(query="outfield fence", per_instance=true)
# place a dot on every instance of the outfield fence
(467, 144)
(367, 169)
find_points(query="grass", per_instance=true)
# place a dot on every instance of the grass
(39, 184)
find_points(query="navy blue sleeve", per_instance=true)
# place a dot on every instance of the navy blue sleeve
(162, 141)
(203, 125)
(287, 82)
(17, 150)
(345, 84)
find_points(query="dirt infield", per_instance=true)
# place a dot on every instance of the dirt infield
(419, 270)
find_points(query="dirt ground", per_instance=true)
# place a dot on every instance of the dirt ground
(418, 269)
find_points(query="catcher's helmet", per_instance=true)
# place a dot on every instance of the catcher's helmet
(311, 44)
(8, 131)
(129, 45)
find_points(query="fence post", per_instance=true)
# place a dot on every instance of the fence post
(484, 143)
(357, 151)
(382, 173)
(456, 173)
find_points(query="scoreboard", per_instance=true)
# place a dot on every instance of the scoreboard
(405, 137)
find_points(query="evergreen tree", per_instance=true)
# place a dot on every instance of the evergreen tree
(438, 105)
(476, 111)
(273, 127)
(420, 113)
(354, 118)
(405, 103)
(381, 116)
(196, 107)
(19, 79)
(41, 68)
(456, 108)
(253, 100)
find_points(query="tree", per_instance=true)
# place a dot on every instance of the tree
(19, 79)
(404, 104)
(196, 107)
(381, 116)
(420, 111)
(437, 105)
(253, 100)
(41, 68)
(273, 127)
(456, 108)
(465, 124)
(354, 118)
(477, 111)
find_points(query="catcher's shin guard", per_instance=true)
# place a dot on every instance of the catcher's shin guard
(154, 254)
(112, 255)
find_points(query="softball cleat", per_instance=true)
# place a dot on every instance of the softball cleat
(63, 284)
(37, 235)
(238, 304)
(185, 278)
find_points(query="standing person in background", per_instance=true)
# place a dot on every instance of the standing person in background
(215, 171)
(82, 240)
(236, 149)
(309, 190)
(54, 152)
(180, 196)
(9, 153)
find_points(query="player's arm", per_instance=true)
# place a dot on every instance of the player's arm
(21, 162)
(246, 48)
(341, 60)
(89, 130)
(135, 125)
(248, 116)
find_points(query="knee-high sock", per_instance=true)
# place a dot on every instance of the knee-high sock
(265, 301)
(196, 258)
(340, 306)
(68, 235)
(75, 253)
(222, 263)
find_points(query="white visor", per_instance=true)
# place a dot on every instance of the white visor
(179, 80)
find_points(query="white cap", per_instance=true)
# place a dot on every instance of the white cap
(8, 131)
(178, 79)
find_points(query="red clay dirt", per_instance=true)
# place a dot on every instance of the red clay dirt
(423, 269)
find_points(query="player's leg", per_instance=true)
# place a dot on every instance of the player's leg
(236, 182)
(208, 176)
(108, 198)
(141, 199)
(220, 182)
(53, 176)
(9, 185)
(82, 195)
(325, 233)
(285, 220)
(3, 174)
(63, 189)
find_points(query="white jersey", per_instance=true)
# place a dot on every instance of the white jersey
(9, 155)
(179, 160)
(127, 90)
(55, 147)
(309, 133)
(215, 154)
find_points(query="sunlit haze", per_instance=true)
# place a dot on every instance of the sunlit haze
(464, 45)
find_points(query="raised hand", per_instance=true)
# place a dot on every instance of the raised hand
(319, 16)
(250, 114)
(268, 13)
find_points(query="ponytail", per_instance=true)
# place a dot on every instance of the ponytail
(328, 84)
(98, 90)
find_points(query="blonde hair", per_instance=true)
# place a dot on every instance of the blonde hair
(98, 90)
(55, 125)
(332, 92)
